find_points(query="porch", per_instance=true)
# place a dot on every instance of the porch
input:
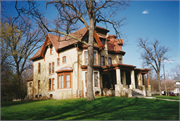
(124, 80)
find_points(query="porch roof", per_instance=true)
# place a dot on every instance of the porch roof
(64, 69)
(142, 70)
(116, 66)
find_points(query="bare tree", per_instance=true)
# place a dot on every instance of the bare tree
(153, 54)
(176, 70)
(19, 42)
(84, 11)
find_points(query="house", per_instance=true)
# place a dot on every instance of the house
(177, 81)
(60, 68)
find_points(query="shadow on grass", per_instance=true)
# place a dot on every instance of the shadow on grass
(3, 104)
(103, 108)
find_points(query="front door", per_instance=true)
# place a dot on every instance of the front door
(106, 81)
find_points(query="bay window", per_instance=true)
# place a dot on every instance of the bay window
(64, 80)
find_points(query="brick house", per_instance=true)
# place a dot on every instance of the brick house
(60, 68)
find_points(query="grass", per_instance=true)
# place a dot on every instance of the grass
(167, 97)
(103, 108)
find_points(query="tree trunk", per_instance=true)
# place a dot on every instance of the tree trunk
(90, 94)
(159, 83)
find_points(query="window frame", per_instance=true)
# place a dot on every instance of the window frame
(96, 79)
(109, 61)
(58, 61)
(120, 61)
(38, 84)
(49, 68)
(39, 68)
(103, 41)
(103, 61)
(53, 83)
(60, 81)
(85, 58)
(50, 84)
(64, 59)
(95, 58)
(52, 67)
(64, 80)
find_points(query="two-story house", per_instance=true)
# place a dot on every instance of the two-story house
(60, 67)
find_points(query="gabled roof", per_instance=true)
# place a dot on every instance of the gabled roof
(59, 42)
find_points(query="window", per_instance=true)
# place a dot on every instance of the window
(38, 84)
(64, 80)
(86, 79)
(49, 68)
(52, 67)
(86, 57)
(60, 81)
(95, 79)
(39, 68)
(86, 39)
(49, 84)
(67, 81)
(51, 50)
(53, 83)
(95, 58)
(64, 59)
(102, 61)
(109, 61)
(103, 41)
(58, 61)
(120, 60)
(30, 84)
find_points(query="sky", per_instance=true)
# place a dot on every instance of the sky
(146, 19)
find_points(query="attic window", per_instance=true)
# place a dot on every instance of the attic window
(86, 39)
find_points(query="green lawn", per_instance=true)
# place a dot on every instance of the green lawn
(103, 108)
(167, 97)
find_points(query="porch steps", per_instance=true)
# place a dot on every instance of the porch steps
(136, 93)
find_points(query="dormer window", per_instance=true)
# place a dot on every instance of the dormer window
(109, 61)
(103, 41)
(86, 39)
(120, 61)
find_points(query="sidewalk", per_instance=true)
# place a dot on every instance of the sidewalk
(167, 99)
(161, 99)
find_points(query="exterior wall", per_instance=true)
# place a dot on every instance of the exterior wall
(95, 89)
(29, 88)
(44, 76)
(115, 58)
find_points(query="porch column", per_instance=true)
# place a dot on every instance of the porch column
(132, 86)
(124, 79)
(118, 86)
(149, 86)
(139, 79)
(118, 76)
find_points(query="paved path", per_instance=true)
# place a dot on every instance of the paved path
(161, 99)
(167, 99)
(157, 98)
